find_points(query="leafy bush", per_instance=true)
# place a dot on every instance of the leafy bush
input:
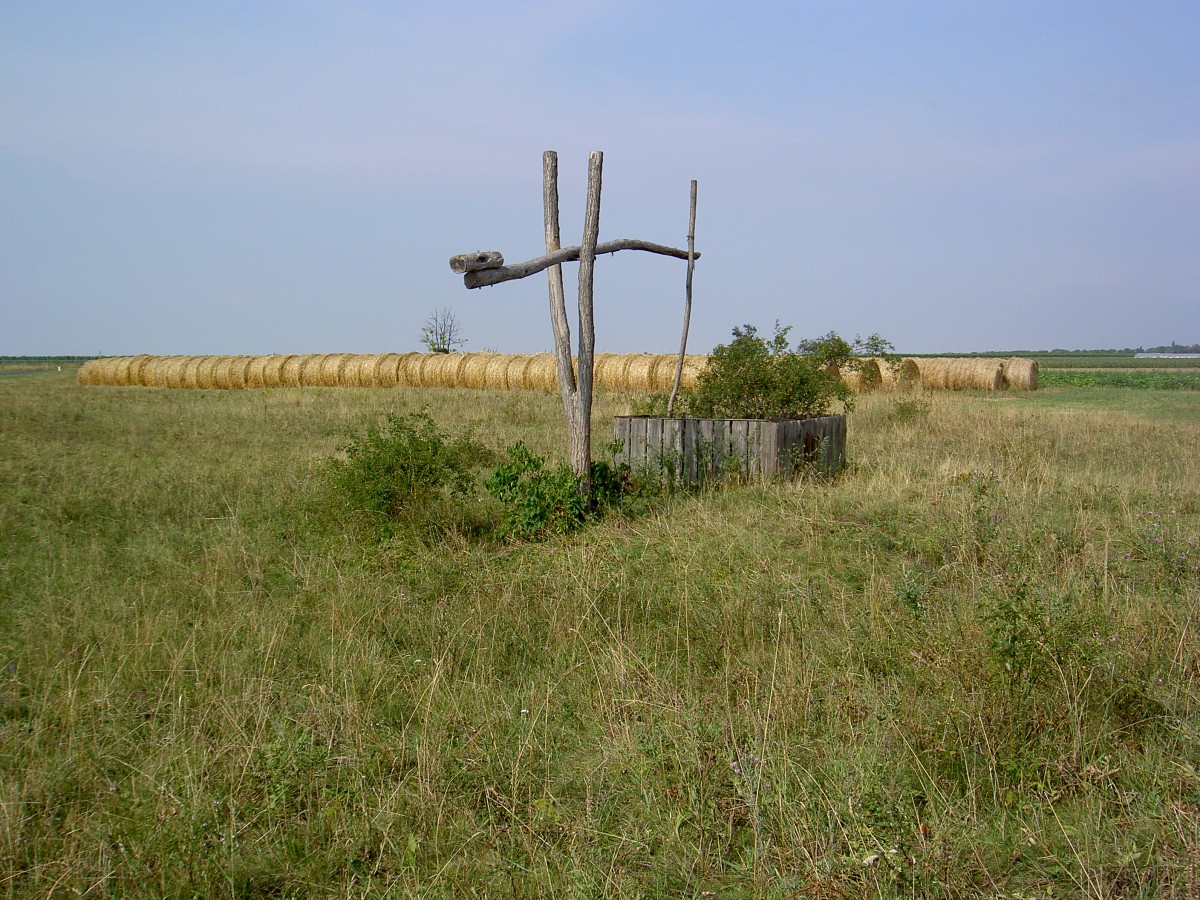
(753, 378)
(540, 500)
(404, 466)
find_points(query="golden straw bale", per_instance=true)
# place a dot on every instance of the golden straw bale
(951, 374)
(454, 369)
(310, 369)
(383, 374)
(289, 374)
(360, 370)
(862, 377)
(273, 370)
(407, 369)
(204, 372)
(89, 372)
(610, 371)
(191, 371)
(126, 373)
(331, 369)
(427, 370)
(903, 375)
(174, 370)
(1020, 374)
(495, 372)
(541, 374)
(638, 371)
(137, 367)
(111, 369)
(473, 369)
(153, 373)
(230, 372)
(256, 375)
(514, 374)
(102, 370)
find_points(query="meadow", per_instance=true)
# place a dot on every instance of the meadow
(966, 666)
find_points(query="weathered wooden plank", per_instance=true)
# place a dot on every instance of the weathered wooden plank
(696, 449)
(621, 433)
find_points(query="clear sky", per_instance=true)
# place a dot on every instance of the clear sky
(238, 177)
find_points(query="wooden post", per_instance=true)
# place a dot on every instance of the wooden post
(558, 307)
(687, 302)
(581, 442)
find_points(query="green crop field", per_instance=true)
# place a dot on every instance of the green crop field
(966, 667)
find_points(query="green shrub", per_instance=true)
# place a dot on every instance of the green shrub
(404, 467)
(753, 378)
(540, 500)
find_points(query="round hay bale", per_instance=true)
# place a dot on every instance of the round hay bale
(453, 368)
(256, 376)
(514, 375)
(900, 376)
(541, 372)
(495, 372)
(149, 376)
(137, 366)
(609, 371)
(173, 370)
(191, 369)
(273, 370)
(331, 370)
(427, 370)
(383, 373)
(310, 370)
(359, 370)
(1020, 374)
(206, 372)
(408, 368)
(112, 369)
(89, 373)
(289, 373)
(638, 372)
(474, 370)
(862, 376)
(231, 371)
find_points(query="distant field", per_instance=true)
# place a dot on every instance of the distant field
(1157, 379)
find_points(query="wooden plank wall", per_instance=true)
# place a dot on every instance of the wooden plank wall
(695, 450)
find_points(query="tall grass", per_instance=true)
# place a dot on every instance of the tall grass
(965, 667)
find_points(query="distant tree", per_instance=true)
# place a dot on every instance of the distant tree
(442, 332)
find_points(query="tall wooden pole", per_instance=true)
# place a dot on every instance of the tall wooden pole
(581, 443)
(558, 307)
(687, 303)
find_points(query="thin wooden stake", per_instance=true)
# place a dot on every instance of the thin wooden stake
(687, 303)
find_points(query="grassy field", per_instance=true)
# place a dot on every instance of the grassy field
(965, 667)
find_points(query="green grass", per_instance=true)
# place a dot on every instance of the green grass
(1156, 379)
(977, 648)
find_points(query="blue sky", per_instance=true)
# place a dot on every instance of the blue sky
(231, 177)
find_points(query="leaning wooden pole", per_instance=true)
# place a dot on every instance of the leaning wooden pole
(581, 443)
(687, 302)
(558, 306)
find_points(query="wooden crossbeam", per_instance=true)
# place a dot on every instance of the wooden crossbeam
(480, 276)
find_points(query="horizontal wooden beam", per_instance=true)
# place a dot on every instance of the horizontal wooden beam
(473, 262)
(483, 277)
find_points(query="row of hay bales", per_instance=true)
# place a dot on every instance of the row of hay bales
(489, 371)
(944, 374)
(631, 372)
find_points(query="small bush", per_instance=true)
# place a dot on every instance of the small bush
(540, 500)
(753, 378)
(404, 467)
